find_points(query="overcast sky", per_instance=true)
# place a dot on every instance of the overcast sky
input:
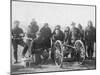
(51, 13)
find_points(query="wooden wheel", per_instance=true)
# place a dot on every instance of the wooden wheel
(58, 53)
(80, 51)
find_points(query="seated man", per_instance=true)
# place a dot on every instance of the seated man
(38, 49)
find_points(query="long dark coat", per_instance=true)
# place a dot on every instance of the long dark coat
(46, 35)
(90, 34)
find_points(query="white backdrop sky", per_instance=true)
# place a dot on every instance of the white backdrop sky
(51, 13)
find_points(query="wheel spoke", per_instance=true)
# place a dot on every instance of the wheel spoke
(58, 53)
(81, 49)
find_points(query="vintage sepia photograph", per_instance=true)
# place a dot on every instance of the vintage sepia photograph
(52, 37)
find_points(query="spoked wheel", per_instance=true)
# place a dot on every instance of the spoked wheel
(80, 51)
(58, 53)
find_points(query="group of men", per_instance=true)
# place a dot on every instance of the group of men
(41, 38)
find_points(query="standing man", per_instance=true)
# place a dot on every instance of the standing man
(67, 35)
(75, 33)
(90, 37)
(31, 35)
(17, 34)
(81, 35)
(46, 34)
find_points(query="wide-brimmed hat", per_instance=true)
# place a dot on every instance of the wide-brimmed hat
(73, 24)
(58, 26)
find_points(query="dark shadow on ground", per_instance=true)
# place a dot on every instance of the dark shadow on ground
(68, 64)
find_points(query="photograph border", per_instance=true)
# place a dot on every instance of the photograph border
(58, 4)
